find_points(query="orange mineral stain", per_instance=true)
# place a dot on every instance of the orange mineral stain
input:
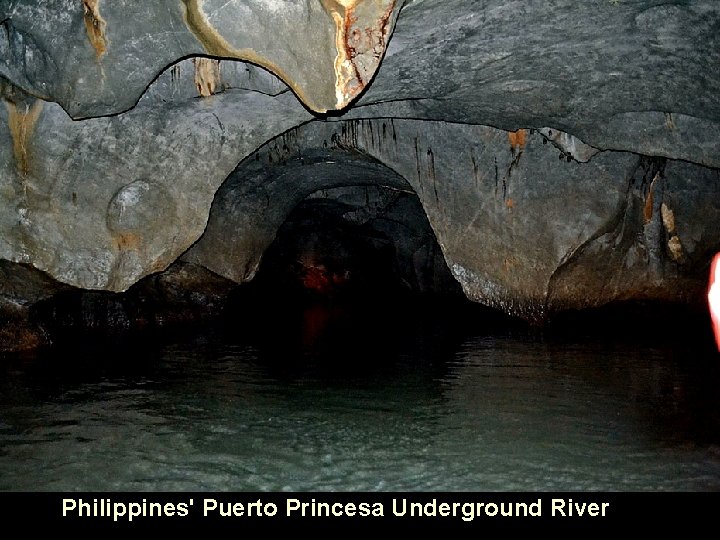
(517, 139)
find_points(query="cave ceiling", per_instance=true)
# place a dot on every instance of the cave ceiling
(565, 152)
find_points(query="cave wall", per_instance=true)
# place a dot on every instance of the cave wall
(565, 153)
(523, 226)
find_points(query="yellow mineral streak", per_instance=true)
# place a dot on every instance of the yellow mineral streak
(207, 75)
(674, 244)
(216, 45)
(668, 218)
(21, 121)
(348, 81)
(343, 64)
(675, 248)
(95, 26)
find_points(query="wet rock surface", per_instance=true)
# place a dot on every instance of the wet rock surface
(564, 155)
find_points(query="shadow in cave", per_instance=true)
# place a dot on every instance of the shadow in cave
(639, 322)
(348, 279)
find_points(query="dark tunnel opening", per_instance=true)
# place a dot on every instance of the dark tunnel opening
(355, 262)
(357, 265)
(365, 244)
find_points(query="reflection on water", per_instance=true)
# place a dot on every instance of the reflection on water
(411, 401)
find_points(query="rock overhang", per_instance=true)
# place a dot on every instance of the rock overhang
(606, 78)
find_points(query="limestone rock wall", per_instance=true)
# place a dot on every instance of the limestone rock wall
(85, 56)
(523, 226)
(566, 153)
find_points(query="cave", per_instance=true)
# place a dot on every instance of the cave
(354, 245)
(477, 229)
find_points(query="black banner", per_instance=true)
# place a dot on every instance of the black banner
(464, 511)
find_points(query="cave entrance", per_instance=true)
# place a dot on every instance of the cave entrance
(349, 257)
(355, 244)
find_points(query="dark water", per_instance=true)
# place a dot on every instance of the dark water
(396, 401)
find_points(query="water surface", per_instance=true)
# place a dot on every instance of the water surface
(404, 402)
